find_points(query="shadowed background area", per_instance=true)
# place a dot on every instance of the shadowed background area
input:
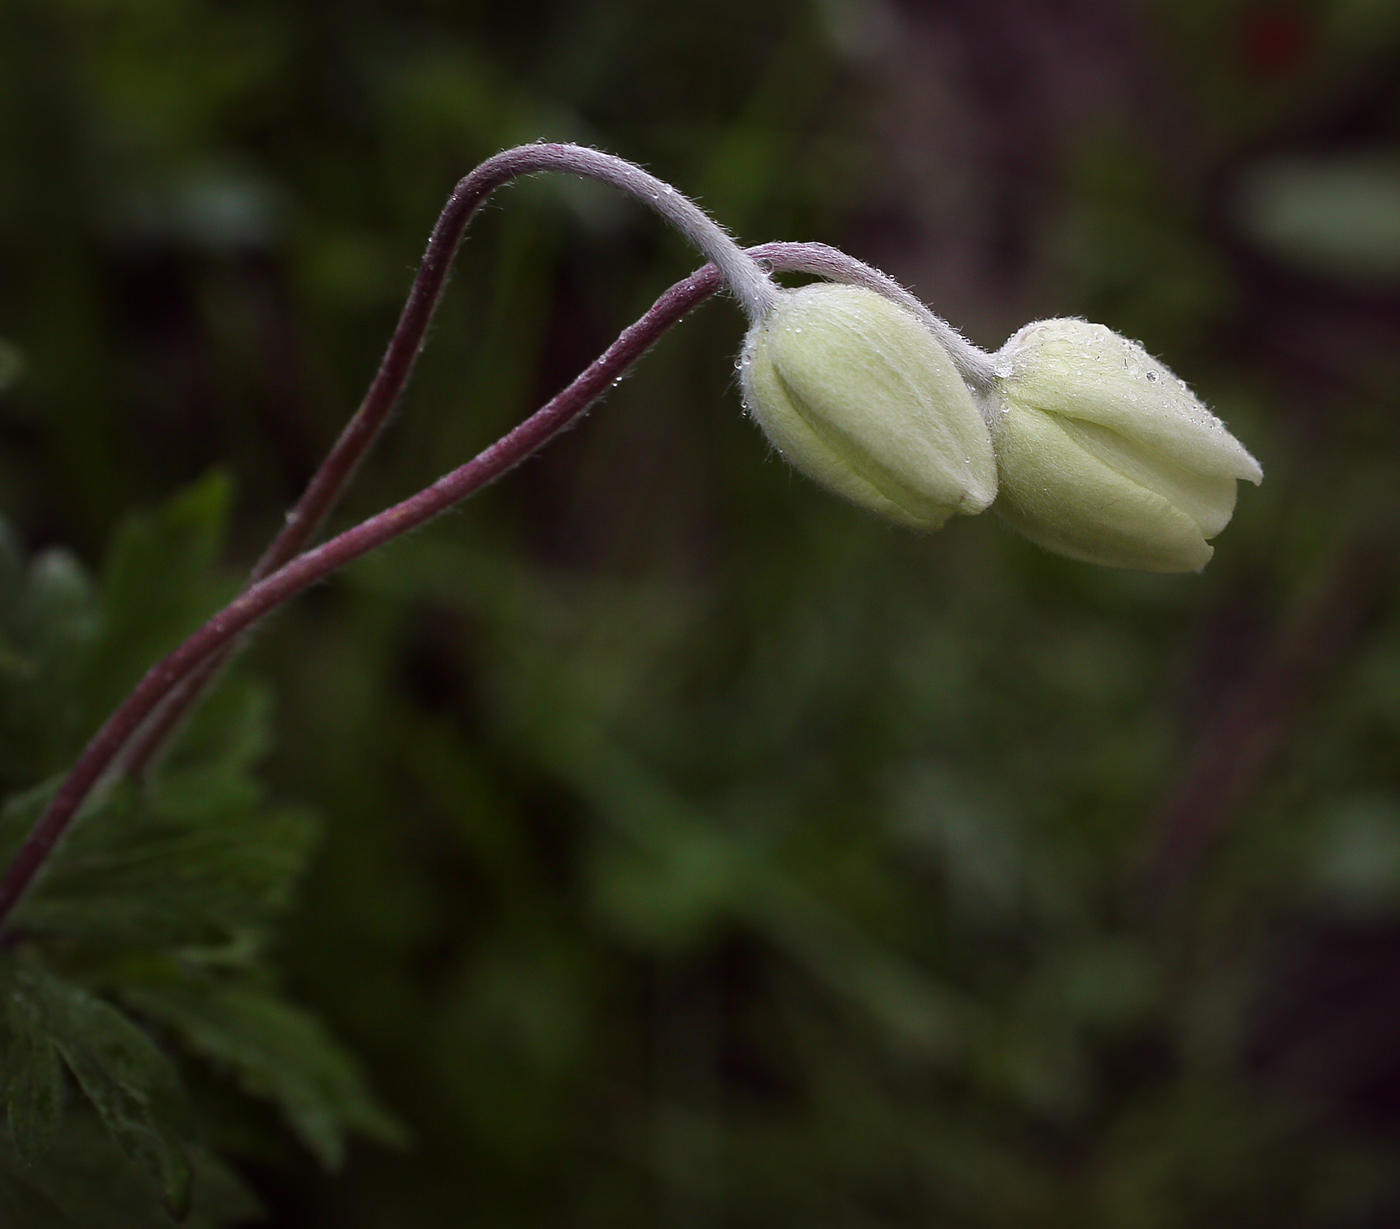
(698, 850)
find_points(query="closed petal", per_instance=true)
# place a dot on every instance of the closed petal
(1068, 500)
(1089, 373)
(789, 431)
(1206, 499)
(878, 390)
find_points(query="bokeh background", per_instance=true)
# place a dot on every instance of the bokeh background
(699, 851)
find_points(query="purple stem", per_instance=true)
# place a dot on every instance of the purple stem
(146, 743)
(407, 343)
(211, 642)
(305, 570)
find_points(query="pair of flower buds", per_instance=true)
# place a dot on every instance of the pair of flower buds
(1077, 437)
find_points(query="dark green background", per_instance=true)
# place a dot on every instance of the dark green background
(700, 851)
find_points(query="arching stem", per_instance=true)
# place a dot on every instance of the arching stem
(975, 365)
(305, 570)
(749, 282)
(212, 642)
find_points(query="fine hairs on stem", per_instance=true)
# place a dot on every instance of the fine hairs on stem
(739, 269)
(975, 365)
(282, 573)
(748, 281)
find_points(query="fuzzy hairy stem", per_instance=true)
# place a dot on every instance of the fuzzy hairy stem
(204, 652)
(192, 660)
(264, 596)
(748, 281)
(975, 365)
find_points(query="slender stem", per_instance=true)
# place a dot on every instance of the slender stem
(975, 365)
(305, 570)
(192, 660)
(749, 282)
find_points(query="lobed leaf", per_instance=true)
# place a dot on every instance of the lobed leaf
(278, 1052)
(195, 860)
(31, 1086)
(85, 1181)
(145, 872)
(171, 553)
(129, 1081)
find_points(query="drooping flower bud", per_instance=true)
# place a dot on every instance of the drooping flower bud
(857, 393)
(1104, 455)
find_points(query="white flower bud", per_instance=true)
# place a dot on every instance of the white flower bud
(857, 393)
(1104, 455)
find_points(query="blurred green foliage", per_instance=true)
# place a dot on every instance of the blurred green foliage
(698, 851)
(161, 900)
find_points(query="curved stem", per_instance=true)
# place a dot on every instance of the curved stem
(752, 286)
(975, 365)
(204, 652)
(746, 278)
(305, 570)
(749, 282)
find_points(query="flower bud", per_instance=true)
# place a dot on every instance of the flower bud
(857, 393)
(1104, 455)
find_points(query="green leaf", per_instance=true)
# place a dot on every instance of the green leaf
(143, 871)
(22, 1205)
(31, 1085)
(129, 1081)
(159, 583)
(194, 860)
(278, 1051)
(49, 625)
(19, 813)
(85, 1181)
(230, 728)
(70, 650)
